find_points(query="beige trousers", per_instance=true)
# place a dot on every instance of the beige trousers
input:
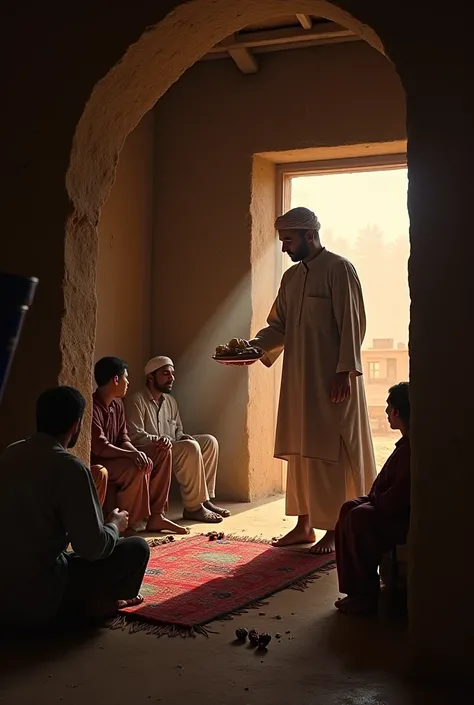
(319, 489)
(195, 468)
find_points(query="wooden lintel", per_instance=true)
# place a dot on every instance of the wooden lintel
(251, 40)
(244, 59)
(305, 21)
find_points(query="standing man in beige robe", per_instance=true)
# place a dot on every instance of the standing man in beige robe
(153, 418)
(323, 431)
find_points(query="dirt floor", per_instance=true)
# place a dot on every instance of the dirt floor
(324, 658)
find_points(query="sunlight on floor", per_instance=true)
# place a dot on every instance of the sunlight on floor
(322, 657)
(266, 518)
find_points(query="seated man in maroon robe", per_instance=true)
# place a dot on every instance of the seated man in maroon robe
(371, 525)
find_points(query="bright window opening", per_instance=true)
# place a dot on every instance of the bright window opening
(364, 217)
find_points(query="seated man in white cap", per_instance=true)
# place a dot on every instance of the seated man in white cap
(153, 417)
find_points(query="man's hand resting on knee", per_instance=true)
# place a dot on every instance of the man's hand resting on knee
(118, 518)
(142, 461)
(164, 443)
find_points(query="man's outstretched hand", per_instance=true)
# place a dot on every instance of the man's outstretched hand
(341, 387)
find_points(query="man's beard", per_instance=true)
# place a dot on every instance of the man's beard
(301, 253)
(163, 388)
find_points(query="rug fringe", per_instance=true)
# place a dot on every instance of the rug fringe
(247, 539)
(133, 626)
(303, 583)
(243, 610)
(300, 584)
(160, 541)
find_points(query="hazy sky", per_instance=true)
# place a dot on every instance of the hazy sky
(346, 203)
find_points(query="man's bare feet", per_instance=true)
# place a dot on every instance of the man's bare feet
(133, 602)
(107, 609)
(356, 605)
(159, 522)
(217, 510)
(298, 535)
(324, 545)
(202, 514)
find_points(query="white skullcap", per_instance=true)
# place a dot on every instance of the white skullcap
(298, 219)
(156, 362)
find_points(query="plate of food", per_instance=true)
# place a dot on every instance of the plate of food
(237, 352)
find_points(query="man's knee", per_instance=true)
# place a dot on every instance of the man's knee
(159, 455)
(99, 473)
(346, 508)
(362, 516)
(190, 448)
(135, 549)
(209, 441)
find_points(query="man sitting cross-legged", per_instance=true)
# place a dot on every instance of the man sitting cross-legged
(48, 502)
(140, 478)
(369, 526)
(153, 417)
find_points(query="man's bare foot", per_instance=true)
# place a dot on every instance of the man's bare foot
(107, 609)
(296, 536)
(324, 545)
(133, 602)
(217, 510)
(159, 522)
(356, 605)
(202, 514)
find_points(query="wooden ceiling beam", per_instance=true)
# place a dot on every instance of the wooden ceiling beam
(244, 59)
(305, 21)
(266, 38)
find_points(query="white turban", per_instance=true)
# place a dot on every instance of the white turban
(156, 362)
(298, 219)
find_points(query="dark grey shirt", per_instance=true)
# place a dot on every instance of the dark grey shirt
(48, 501)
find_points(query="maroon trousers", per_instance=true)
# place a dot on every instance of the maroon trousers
(363, 534)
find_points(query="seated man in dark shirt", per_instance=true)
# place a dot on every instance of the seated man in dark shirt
(369, 526)
(53, 492)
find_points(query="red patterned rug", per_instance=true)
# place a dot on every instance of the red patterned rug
(191, 582)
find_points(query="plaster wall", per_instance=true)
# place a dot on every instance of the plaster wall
(214, 264)
(75, 86)
(125, 249)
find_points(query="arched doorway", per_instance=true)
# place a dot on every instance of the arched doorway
(117, 104)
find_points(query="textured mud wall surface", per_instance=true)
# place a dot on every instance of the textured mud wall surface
(51, 66)
(215, 251)
(124, 266)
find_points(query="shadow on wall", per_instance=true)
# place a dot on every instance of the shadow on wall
(207, 390)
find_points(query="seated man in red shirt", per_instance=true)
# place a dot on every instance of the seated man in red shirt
(369, 526)
(141, 477)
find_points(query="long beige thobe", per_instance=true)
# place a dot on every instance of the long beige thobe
(318, 318)
(195, 459)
